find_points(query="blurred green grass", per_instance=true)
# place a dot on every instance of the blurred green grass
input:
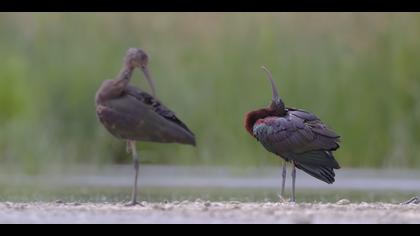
(358, 72)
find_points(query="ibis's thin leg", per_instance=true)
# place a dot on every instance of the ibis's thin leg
(136, 163)
(283, 175)
(128, 148)
(293, 182)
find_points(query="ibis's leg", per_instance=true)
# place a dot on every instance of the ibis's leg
(128, 148)
(293, 182)
(136, 163)
(414, 200)
(283, 175)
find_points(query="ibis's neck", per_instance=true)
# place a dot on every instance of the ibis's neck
(123, 79)
(125, 74)
(253, 116)
(114, 88)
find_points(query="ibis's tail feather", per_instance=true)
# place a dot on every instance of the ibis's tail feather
(322, 173)
(316, 158)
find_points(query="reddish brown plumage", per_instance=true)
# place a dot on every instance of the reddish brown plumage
(252, 117)
(295, 135)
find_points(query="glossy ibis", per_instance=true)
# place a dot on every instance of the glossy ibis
(132, 114)
(297, 136)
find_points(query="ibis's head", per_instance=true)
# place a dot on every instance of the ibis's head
(137, 57)
(276, 103)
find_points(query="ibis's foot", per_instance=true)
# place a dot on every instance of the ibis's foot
(292, 201)
(282, 199)
(133, 203)
(414, 200)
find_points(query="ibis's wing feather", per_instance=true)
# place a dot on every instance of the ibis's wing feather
(314, 122)
(156, 105)
(295, 137)
(133, 117)
(307, 116)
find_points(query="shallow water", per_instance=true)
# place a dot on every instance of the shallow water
(166, 183)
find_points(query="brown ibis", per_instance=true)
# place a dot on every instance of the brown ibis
(132, 114)
(297, 136)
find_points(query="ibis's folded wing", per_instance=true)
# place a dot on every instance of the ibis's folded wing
(136, 115)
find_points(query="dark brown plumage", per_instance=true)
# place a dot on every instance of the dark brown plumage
(297, 136)
(131, 114)
(136, 115)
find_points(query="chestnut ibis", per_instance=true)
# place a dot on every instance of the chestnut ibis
(132, 114)
(297, 136)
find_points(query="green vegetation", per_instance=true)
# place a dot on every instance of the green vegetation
(360, 73)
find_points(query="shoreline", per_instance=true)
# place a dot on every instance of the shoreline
(198, 212)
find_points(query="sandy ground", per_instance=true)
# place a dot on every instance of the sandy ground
(209, 213)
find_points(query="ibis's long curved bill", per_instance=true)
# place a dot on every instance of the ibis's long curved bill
(149, 79)
(273, 85)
